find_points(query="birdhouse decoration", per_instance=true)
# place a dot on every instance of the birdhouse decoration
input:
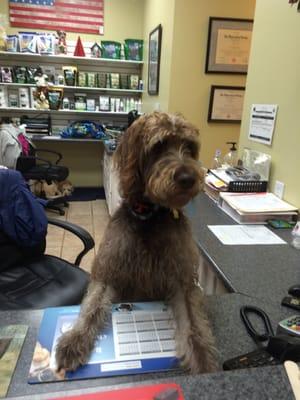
(96, 50)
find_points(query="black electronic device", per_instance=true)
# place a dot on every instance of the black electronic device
(294, 291)
(290, 326)
(256, 358)
(292, 302)
(279, 348)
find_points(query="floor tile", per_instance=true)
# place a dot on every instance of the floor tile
(79, 208)
(92, 216)
(53, 251)
(87, 261)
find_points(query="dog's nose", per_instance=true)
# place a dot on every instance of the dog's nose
(185, 179)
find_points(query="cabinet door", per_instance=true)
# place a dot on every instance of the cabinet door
(115, 196)
(106, 174)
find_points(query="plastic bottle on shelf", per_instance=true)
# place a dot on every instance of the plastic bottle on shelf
(217, 160)
(139, 106)
(230, 159)
(66, 103)
(296, 236)
(132, 103)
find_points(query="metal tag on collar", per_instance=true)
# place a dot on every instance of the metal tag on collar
(175, 213)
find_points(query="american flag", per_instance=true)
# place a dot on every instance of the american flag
(82, 16)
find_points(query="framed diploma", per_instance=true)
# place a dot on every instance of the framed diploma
(154, 60)
(226, 104)
(228, 45)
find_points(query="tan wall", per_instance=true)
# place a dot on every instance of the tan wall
(84, 161)
(123, 19)
(273, 78)
(159, 12)
(190, 86)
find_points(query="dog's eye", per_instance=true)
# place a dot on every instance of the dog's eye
(191, 148)
(159, 148)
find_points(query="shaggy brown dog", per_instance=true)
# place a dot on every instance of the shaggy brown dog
(147, 252)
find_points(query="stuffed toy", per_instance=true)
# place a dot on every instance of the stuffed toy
(65, 188)
(61, 42)
(43, 189)
(40, 94)
(40, 99)
(51, 191)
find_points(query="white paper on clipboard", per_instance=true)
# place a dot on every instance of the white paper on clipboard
(262, 122)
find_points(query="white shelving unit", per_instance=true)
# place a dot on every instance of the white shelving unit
(61, 59)
(63, 117)
(77, 88)
(35, 110)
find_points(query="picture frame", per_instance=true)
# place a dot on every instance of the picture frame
(226, 104)
(155, 38)
(228, 45)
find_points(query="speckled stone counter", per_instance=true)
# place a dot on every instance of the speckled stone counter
(255, 275)
(263, 271)
(231, 340)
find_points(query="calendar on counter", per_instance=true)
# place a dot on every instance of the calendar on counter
(139, 338)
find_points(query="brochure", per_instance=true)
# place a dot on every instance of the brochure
(139, 338)
(11, 342)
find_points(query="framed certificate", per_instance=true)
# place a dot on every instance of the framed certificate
(226, 104)
(228, 45)
(154, 60)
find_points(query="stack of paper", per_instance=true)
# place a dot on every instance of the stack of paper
(256, 208)
(216, 181)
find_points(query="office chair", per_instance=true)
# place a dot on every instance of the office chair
(40, 280)
(34, 167)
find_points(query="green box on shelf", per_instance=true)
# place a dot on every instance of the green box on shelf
(111, 49)
(133, 49)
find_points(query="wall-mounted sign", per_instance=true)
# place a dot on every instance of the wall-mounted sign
(262, 122)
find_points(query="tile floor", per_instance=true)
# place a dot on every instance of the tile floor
(91, 215)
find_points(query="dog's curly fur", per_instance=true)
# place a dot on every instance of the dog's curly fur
(153, 258)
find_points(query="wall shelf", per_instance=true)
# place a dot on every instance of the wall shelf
(32, 57)
(36, 110)
(77, 88)
(63, 117)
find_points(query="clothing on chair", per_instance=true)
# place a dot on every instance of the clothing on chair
(22, 215)
(10, 146)
(29, 278)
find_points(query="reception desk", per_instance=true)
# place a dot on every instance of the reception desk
(251, 275)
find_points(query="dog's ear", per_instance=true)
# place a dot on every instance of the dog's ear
(128, 160)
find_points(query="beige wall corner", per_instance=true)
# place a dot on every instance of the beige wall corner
(159, 12)
(273, 78)
(190, 86)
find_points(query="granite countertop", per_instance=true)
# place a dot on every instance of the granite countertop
(255, 275)
(262, 271)
(231, 340)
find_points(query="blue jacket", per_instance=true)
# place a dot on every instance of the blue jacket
(22, 215)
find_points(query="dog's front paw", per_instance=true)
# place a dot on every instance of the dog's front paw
(72, 351)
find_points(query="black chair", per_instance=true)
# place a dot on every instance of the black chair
(33, 166)
(30, 279)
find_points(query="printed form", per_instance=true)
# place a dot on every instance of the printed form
(245, 234)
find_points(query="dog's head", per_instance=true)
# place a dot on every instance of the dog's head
(51, 190)
(66, 188)
(157, 159)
